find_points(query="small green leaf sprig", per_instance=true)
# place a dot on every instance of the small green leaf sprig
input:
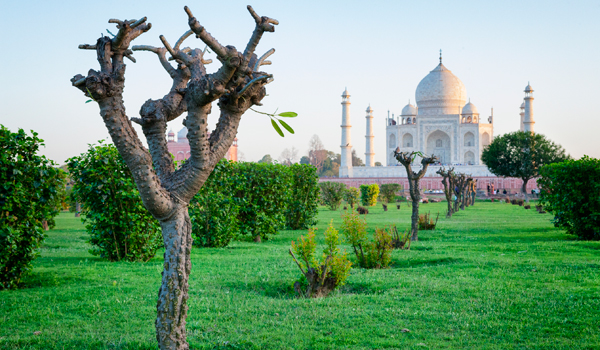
(275, 119)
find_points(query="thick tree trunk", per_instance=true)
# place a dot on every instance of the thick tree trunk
(524, 189)
(173, 293)
(448, 194)
(415, 195)
(77, 209)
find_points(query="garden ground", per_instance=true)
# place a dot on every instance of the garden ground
(495, 276)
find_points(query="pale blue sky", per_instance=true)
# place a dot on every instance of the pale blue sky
(380, 50)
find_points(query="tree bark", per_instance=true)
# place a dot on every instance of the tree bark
(524, 189)
(166, 191)
(173, 293)
(415, 195)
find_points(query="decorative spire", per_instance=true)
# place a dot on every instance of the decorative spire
(440, 56)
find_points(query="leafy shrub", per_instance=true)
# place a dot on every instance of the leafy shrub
(351, 196)
(571, 191)
(527, 206)
(320, 276)
(368, 194)
(332, 193)
(520, 202)
(30, 193)
(263, 194)
(387, 192)
(426, 222)
(213, 211)
(370, 254)
(303, 207)
(120, 227)
(362, 210)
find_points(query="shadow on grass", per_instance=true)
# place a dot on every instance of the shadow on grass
(39, 342)
(398, 263)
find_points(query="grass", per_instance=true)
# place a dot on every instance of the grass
(495, 276)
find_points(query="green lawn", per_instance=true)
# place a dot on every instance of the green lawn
(495, 276)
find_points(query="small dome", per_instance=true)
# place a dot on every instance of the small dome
(182, 134)
(523, 105)
(469, 108)
(171, 133)
(528, 88)
(409, 110)
(346, 93)
(369, 109)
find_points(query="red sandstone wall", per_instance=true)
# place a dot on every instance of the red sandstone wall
(435, 183)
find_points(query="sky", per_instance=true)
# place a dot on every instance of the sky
(378, 50)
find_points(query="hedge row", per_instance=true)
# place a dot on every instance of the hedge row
(31, 190)
(253, 199)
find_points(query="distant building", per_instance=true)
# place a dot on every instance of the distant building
(443, 123)
(180, 147)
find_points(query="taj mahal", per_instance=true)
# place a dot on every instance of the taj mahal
(443, 123)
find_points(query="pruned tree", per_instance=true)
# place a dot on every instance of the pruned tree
(406, 159)
(448, 182)
(316, 152)
(288, 156)
(460, 187)
(166, 192)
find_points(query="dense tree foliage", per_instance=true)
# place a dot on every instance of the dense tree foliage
(30, 194)
(521, 154)
(302, 208)
(120, 227)
(387, 192)
(351, 196)
(571, 191)
(332, 194)
(369, 194)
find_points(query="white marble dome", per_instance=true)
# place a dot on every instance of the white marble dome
(182, 134)
(470, 108)
(409, 110)
(441, 92)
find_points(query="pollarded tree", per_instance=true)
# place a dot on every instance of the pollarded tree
(406, 159)
(448, 178)
(521, 154)
(166, 192)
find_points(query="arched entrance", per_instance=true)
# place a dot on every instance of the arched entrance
(438, 144)
(469, 158)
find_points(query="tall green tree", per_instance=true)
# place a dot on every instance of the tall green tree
(30, 194)
(521, 154)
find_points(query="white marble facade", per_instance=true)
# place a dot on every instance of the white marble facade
(443, 123)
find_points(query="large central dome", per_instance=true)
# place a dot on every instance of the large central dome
(440, 92)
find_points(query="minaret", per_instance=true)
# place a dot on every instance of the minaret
(369, 154)
(528, 118)
(346, 166)
(522, 114)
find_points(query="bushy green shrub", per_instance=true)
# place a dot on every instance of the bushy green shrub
(387, 192)
(302, 208)
(30, 193)
(369, 254)
(571, 191)
(120, 227)
(351, 196)
(320, 276)
(214, 209)
(368, 194)
(332, 194)
(263, 193)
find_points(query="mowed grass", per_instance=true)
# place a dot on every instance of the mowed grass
(495, 276)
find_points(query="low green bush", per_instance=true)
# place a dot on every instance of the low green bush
(320, 276)
(369, 254)
(120, 227)
(571, 191)
(368, 194)
(332, 194)
(31, 191)
(351, 195)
